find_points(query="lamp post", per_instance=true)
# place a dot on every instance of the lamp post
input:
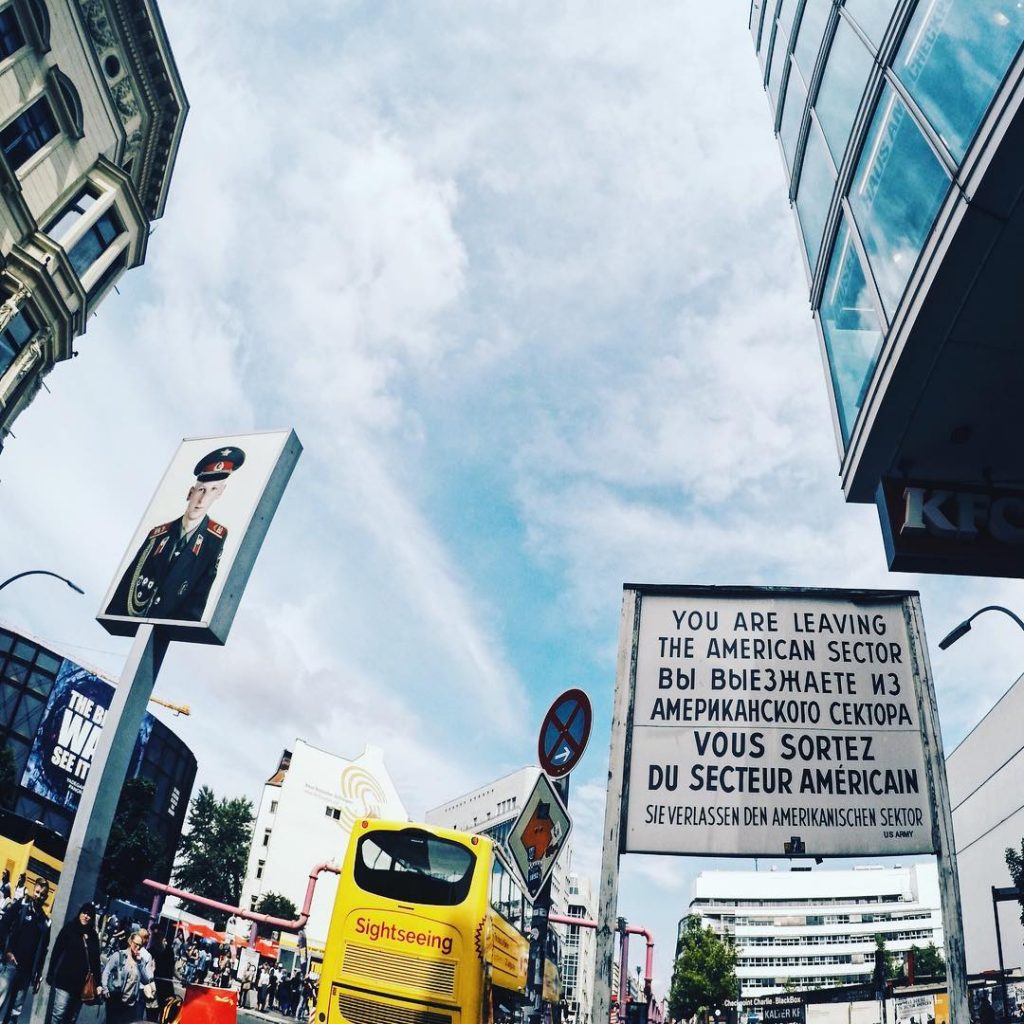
(947, 641)
(42, 572)
(965, 627)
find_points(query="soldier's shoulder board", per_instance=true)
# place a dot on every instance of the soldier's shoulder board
(217, 530)
(159, 531)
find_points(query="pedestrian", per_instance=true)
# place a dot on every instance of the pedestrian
(123, 977)
(75, 957)
(163, 969)
(262, 987)
(24, 936)
(986, 1015)
(284, 995)
(248, 980)
(275, 975)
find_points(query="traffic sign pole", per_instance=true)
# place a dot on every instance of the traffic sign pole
(539, 927)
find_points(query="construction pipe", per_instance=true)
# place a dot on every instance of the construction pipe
(250, 915)
(630, 928)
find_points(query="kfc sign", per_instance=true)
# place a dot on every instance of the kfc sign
(944, 528)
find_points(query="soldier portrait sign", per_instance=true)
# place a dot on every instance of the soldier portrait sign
(776, 722)
(188, 562)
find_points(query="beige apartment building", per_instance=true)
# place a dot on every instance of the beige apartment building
(91, 115)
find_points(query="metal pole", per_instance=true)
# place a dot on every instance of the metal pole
(999, 948)
(539, 921)
(625, 671)
(623, 969)
(942, 837)
(88, 839)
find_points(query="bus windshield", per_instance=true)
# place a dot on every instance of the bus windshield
(414, 866)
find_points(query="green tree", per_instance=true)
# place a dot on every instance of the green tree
(892, 966)
(8, 776)
(273, 904)
(928, 962)
(133, 851)
(1015, 862)
(704, 974)
(214, 849)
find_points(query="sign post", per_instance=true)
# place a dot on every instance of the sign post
(179, 580)
(754, 722)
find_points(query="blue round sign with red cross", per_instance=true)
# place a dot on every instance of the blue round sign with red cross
(564, 733)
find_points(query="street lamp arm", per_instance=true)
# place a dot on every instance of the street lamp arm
(965, 627)
(42, 572)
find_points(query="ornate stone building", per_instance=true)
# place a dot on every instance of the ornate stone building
(91, 114)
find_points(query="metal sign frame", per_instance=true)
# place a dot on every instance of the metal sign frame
(620, 753)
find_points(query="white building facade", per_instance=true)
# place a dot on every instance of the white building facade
(91, 114)
(814, 929)
(986, 780)
(492, 810)
(305, 817)
(579, 949)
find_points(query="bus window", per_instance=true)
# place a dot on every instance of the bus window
(506, 895)
(415, 866)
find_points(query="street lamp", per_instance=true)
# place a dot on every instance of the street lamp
(965, 627)
(42, 572)
(947, 641)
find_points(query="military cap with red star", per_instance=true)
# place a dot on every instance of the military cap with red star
(219, 465)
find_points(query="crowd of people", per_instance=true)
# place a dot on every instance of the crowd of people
(266, 988)
(123, 967)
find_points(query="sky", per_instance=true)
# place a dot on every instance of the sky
(524, 279)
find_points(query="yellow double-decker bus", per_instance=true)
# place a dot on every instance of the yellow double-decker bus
(427, 929)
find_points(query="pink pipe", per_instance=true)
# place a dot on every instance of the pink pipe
(630, 928)
(251, 915)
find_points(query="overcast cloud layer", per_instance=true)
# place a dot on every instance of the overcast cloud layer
(524, 279)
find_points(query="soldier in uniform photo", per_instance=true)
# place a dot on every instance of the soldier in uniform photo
(171, 574)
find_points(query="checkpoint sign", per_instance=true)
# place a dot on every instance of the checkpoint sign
(539, 834)
(564, 733)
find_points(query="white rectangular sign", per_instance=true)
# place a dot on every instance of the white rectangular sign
(184, 570)
(768, 722)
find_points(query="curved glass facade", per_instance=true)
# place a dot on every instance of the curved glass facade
(887, 101)
(42, 723)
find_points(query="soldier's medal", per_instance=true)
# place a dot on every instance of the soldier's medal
(161, 545)
(198, 544)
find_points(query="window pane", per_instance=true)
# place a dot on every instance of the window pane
(13, 340)
(779, 56)
(414, 866)
(817, 182)
(873, 16)
(952, 60)
(11, 39)
(896, 193)
(852, 329)
(792, 115)
(27, 133)
(842, 85)
(70, 215)
(94, 242)
(812, 28)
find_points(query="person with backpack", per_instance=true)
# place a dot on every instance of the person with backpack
(123, 977)
(24, 936)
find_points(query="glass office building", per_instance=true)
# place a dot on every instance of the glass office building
(900, 125)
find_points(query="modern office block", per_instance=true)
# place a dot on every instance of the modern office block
(900, 125)
(814, 929)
